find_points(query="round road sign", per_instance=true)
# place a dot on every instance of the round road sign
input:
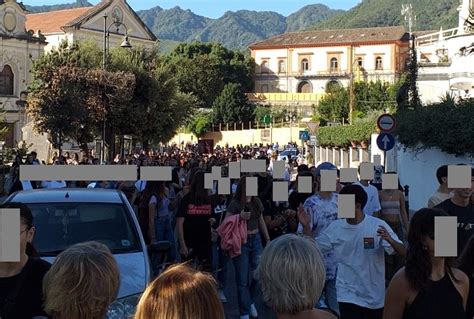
(386, 122)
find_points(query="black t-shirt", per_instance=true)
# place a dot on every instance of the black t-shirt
(29, 301)
(197, 228)
(273, 210)
(465, 217)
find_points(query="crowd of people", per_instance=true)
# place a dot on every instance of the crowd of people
(292, 259)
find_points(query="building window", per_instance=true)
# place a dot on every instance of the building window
(304, 65)
(360, 62)
(334, 66)
(264, 88)
(281, 66)
(264, 66)
(6, 81)
(378, 63)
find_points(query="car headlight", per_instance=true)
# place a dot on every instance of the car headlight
(123, 308)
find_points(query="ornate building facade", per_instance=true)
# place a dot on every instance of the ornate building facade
(19, 47)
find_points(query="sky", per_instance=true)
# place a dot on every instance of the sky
(216, 8)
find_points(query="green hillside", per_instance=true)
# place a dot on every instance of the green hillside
(430, 15)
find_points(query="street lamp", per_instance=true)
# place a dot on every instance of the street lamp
(125, 44)
(291, 117)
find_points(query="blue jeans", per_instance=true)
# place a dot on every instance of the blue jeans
(329, 297)
(245, 266)
(219, 264)
(163, 231)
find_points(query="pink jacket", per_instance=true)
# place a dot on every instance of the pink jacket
(233, 233)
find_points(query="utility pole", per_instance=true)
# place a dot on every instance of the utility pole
(351, 85)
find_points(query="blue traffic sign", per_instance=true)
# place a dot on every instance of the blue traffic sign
(304, 135)
(385, 141)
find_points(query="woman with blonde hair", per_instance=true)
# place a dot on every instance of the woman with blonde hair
(291, 275)
(88, 275)
(181, 292)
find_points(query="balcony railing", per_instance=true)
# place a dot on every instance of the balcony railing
(284, 97)
(322, 73)
(436, 37)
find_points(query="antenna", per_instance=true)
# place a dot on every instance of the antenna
(407, 12)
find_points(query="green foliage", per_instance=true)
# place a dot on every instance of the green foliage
(200, 123)
(341, 136)
(232, 106)
(369, 96)
(431, 15)
(262, 111)
(203, 69)
(334, 107)
(445, 125)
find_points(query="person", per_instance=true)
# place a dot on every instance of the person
(373, 203)
(393, 212)
(88, 275)
(194, 223)
(460, 205)
(292, 274)
(249, 208)
(160, 218)
(428, 287)
(181, 292)
(443, 192)
(323, 208)
(21, 282)
(359, 244)
(466, 264)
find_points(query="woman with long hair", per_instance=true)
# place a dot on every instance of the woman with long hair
(147, 211)
(181, 292)
(21, 281)
(250, 208)
(194, 223)
(466, 264)
(394, 213)
(428, 287)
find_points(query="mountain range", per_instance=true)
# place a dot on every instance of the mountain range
(238, 29)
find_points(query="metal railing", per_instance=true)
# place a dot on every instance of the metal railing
(435, 37)
(285, 97)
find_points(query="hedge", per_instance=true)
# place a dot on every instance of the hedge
(447, 125)
(341, 136)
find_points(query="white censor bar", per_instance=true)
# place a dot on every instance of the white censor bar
(78, 173)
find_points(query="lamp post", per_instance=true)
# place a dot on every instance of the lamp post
(125, 44)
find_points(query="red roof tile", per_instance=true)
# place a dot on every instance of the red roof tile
(51, 22)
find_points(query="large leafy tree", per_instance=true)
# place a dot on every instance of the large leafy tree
(204, 68)
(68, 101)
(150, 108)
(232, 106)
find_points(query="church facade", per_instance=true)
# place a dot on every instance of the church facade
(19, 47)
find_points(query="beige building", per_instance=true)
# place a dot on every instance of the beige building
(115, 17)
(18, 49)
(299, 67)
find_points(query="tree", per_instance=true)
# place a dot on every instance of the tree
(158, 106)
(200, 123)
(66, 101)
(232, 106)
(204, 68)
(369, 97)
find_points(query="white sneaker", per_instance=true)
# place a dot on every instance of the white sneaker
(253, 311)
(222, 296)
(245, 317)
